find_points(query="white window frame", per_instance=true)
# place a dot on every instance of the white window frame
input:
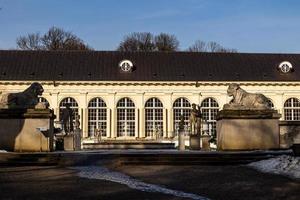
(292, 112)
(97, 116)
(211, 109)
(124, 113)
(184, 108)
(154, 117)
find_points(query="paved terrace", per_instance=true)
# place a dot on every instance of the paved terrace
(137, 157)
(127, 174)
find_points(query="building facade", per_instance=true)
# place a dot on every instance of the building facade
(142, 95)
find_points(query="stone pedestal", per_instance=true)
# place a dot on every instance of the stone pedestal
(289, 133)
(69, 143)
(72, 142)
(205, 142)
(26, 130)
(248, 130)
(181, 141)
(195, 142)
(77, 139)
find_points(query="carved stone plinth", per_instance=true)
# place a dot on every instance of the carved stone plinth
(69, 143)
(72, 142)
(29, 130)
(205, 142)
(181, 140)
(195, 142)
(248, 130)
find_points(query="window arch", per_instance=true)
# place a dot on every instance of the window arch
(154, 117)
(209, 109)
(43, 100)
(292, 109)
(270, 103)
(181, 106)
(97, 116)
(125, 117)
(73, 105)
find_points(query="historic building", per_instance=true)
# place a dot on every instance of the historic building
(141, 94)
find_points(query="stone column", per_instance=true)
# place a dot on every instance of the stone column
(280, 106)
(83, 113)
(165, 130)
(169, 112)
(136, 132)
(108, 123)
(142, 123)
(114, 123)
(112, 117)
(55, 104)
(84, 120)
(171, 133)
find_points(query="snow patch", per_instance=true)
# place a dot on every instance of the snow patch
(102, 173)
(3, 151)
(284, 165)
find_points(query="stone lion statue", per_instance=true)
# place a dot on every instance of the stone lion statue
(26, 99)
(244, 100)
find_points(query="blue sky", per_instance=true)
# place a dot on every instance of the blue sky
(246, 25)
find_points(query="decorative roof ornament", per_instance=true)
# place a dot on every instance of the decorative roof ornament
(126, 66)
(285, 67)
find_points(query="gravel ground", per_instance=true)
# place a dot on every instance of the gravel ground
(214, 182)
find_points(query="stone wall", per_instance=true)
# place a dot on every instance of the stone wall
(25, 130)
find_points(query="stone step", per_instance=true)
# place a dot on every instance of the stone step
(133, 158)
(127, 145)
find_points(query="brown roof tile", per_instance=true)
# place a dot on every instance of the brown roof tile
(149, 66)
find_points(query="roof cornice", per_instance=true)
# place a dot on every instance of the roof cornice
(153, 83)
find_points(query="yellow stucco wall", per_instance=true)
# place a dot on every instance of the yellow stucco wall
(140, 92)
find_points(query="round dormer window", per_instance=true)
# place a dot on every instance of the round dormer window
(285, 67)
(126, 65)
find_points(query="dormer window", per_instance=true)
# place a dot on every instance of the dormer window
(126, 66)
(285, 67)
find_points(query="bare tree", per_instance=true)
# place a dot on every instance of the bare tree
(137, 42)
(54, 39)
(30, 42)
(213, 47)
(166, 42)
(200, 46)
(145, 41)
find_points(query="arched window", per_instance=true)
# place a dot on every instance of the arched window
(154, 117)
(44, 100)
(181, 107)
(73, 106)
(292, 109)
(97, 116)
(209, 109)
(270, 103)
(125, 117)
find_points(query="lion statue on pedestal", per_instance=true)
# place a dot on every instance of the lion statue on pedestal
(244, 100)
(26, 99)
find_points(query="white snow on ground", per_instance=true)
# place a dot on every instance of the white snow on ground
(102, 173)
(284, 165)
(3, 151)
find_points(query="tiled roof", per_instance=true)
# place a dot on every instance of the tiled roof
(148, 66)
